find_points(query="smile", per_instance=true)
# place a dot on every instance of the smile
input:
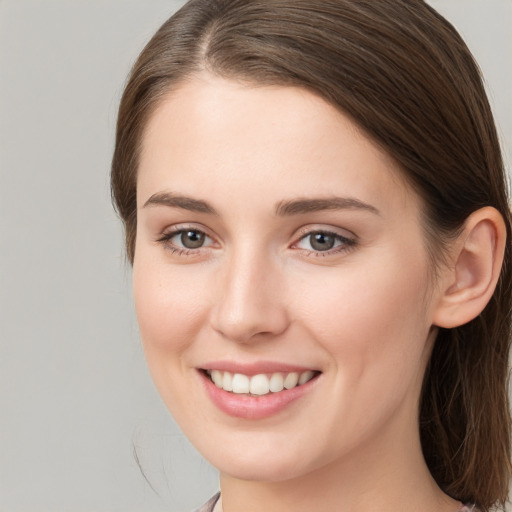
(257, 391)
(261, 384)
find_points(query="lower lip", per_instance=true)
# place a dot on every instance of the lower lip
(254, 407)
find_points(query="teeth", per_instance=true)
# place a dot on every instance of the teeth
(276, 383)
(217, 378)
(240, 383)
(260, 384)
(227, 382)
(291, 380)
(305, 376)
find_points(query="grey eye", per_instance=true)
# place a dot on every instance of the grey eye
(191, 239)
(322, 241)
(326, 242)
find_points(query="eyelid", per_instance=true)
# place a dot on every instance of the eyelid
(322, 228)
(349, 239)
(184, 226)
(166, 235)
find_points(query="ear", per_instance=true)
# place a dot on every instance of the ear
(477, 256)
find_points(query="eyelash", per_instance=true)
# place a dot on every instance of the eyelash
(165, 240)
(345, 244)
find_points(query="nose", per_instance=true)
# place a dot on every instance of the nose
(249, 303)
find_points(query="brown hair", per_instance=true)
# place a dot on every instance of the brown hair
(405, 76)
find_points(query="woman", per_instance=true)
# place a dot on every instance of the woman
(316, 214)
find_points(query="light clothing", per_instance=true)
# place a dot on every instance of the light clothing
(210, 504)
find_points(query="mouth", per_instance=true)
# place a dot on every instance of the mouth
(257, 391)
(261, 384)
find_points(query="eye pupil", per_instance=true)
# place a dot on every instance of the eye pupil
(321, 241)
(192, 239)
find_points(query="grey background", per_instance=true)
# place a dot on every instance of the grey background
(75, 395)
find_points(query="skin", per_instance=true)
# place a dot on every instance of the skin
(362, 313)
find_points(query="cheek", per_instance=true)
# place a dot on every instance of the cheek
(170, 312)
(379, 297)
(372, 319)
(374, 327)
(168, 304)
(170, 307)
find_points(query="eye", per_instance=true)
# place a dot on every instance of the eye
(191, 239)
(324, 241)
(186, 239)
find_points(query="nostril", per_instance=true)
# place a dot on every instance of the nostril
(250, 307)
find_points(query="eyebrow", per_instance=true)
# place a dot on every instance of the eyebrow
(283, 208)
(299, 206)
(178, 201)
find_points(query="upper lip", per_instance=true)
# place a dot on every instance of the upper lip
(256, 367)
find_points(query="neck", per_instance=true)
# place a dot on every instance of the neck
(388, 475)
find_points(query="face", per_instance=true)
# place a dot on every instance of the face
(276, 242)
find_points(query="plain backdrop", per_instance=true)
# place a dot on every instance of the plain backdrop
(76, 399)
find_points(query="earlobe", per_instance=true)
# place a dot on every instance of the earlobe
(477, 256)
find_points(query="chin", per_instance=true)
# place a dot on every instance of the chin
(260, 471)
(261, 463)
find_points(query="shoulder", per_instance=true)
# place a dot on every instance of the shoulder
(208, 506)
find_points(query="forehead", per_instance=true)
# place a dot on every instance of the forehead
(213, 135)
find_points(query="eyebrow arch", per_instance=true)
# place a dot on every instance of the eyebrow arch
(179, 201)
(298, 206)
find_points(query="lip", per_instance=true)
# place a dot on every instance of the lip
(254, 407)
(251, 369)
